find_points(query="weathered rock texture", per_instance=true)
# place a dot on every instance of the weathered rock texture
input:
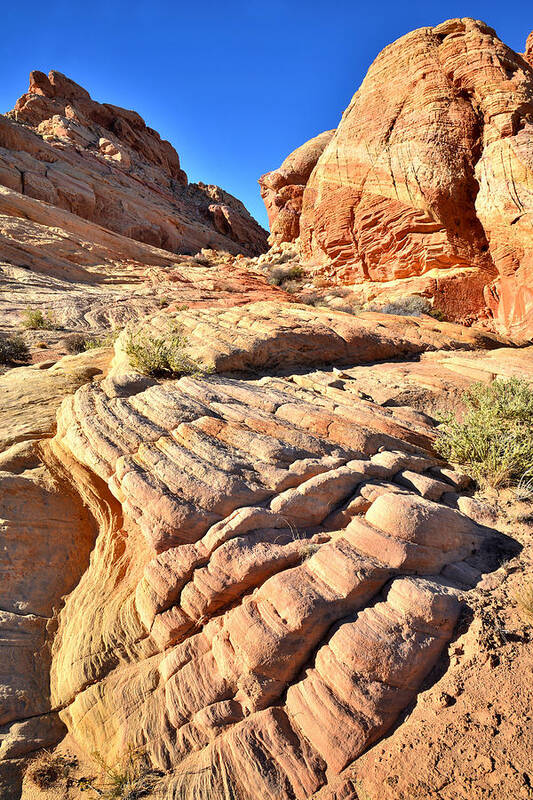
(283, 188)
(265, 569)
(246, 574)
(429, 176)
(104, 164)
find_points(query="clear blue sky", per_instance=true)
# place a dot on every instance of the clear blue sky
(235, 85)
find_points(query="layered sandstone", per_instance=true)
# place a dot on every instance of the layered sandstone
(283, 189)
(267, 566)
(244, 575)
(104, 164)
(427, 180)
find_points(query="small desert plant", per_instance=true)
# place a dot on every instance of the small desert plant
(13, 349)
(75, 343)
(411, 306)
(79, 343)
(524, 598)
(280, 275)
(495, 437)
(129, 779)
(47, 769)
(33, 319)
(161, 356)
(201, 261)
(524, 487)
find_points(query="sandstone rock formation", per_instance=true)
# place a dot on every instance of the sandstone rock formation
(529, 49)
(245, 575)
(266, 569)
(283, 189)
(427, 181)
(104, 164)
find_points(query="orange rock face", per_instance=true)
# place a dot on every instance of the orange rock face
(429, 175)
(529, 48)
(283, 188)
(104, 164)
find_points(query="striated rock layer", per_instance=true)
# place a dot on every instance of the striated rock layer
(104, 164)
(283, 189)
(266, 566)
(430, 175)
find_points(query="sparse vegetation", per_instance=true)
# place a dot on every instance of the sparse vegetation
(524, 488)
(128, 780)
(411, 306)
(495, 437)
(161, 356)
(201, 261)
(280, 275)
(80, 343)
(46, 769)
(13, 350)
(524, 598)
(33, 319)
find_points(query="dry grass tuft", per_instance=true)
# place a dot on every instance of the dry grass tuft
(161, 356)
(47, 769)
(494, 440)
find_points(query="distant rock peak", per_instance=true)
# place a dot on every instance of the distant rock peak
(104, 164)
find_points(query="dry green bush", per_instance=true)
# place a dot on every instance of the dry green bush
(13, 350)
(495, 437)
(161, 356)
(33, 319)
(279, 275)
(411, 306)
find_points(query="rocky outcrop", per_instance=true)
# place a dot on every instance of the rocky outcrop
(283, 189)
(529, 49)
(104, 164)
(244, 574)
(266, 567)
(429, 176)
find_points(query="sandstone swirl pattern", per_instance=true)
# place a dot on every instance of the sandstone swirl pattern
(273, 570)
(428, 180)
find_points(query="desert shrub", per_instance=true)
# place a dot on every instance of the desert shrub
(75, 343)
(80, 343)
(279, 275)
(108, 340)
(129, 779)
(411, 306)
(46, 769)
(13, 350)
(495, 437)
(161, 356)
(33, 319)
(201, 261)
(524, 598)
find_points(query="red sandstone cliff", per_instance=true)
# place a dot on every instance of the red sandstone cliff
(429, 175)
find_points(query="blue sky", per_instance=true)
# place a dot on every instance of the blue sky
(234, 85)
